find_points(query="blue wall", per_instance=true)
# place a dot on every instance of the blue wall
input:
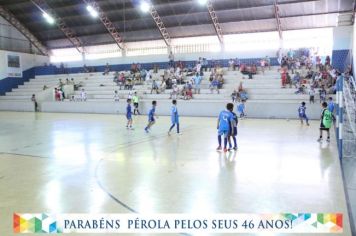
(9, 83)
(51, 70)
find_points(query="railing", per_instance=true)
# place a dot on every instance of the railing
(349, 128)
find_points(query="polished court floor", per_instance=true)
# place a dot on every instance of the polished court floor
(77, 163)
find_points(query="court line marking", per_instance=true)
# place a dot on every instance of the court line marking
(113, 197)
(21, 155)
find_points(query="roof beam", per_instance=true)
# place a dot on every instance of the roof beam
(278, 20)
(215, 21)
(107, 23)
(68, 32)
(7, 15)
(353, 12)
(162, 29)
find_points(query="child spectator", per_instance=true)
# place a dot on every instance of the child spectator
(214, 85)
(175, 92)
(116, 96)
(154, 87)
(234, 96)
(241, 109)
(83, 95)
(57, 95)
(33, 99)
(302, 114)
(322, 94)
(311, 95)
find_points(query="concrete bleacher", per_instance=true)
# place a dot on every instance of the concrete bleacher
(266, 97)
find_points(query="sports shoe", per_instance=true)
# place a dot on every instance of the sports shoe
(235, 148)
(225, 149)
(320, 139)
(169, 132)
(146, 130)
(218, 148)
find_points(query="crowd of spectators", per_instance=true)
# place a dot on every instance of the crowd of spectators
(308, 74)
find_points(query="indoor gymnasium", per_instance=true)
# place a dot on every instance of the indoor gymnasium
(186, 112)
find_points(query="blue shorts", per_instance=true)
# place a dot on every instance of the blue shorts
(129, 116)
(224, 132)
(151, 119)
(302, 116)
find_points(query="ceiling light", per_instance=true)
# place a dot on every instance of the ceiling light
(48, 18)
(203, 2)
(145, 7)
(94, 13)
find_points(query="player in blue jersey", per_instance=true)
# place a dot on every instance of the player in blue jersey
(331, 105)
(234, 123)
(129, 114)
(151, 116)
(302, 113)
(174, 117)
(225, 125)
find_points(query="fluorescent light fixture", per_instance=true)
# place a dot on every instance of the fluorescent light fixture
(48, 18)
(92, 11)
(145, 6)
(203, 2)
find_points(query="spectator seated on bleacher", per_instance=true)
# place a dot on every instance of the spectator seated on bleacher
(128, 84)
(243, 96)
(154, 87)
(187, 94)
(221, 81)
(296, 80)
(301, 89)
(214, 85)
(163, 86)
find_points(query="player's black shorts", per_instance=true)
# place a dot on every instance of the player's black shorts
(136, 104)
(234, 131)
(322, 127)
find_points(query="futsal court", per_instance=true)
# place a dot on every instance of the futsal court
(81, 163)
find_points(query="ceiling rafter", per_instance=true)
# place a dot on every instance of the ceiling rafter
(160, 25)
(215, 20)
(7, 15)
(68, 32)
(111, 28)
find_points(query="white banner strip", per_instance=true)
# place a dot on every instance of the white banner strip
(179, 223)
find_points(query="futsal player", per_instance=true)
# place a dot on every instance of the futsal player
(224, 125)
(151, 117)
(129, 114)
(174, 117)
(234, 122)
